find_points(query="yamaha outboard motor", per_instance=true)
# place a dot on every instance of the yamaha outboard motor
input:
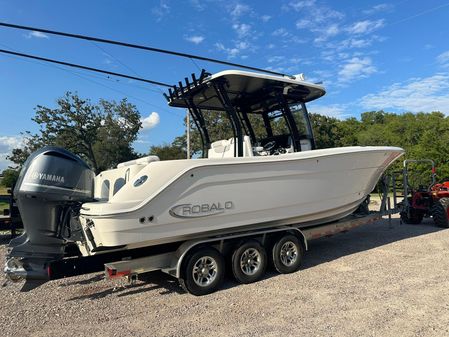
(52, 183)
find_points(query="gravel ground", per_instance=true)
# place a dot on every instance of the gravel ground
(371, 281)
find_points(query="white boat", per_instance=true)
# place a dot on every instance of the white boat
(268, 173)
(177, 200)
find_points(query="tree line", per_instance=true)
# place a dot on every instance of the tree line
(103, 133)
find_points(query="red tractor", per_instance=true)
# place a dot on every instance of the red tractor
(422, 201)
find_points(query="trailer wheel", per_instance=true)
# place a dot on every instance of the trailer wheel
(203, 272)
(439, 213)
(287, 254)
(249, 262)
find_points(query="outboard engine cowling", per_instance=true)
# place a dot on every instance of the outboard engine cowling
(52, 181)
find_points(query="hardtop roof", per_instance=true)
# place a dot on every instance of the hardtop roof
(254, 91)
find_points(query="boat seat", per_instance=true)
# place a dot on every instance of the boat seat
(225, 148)
(306, 144)
(289, 148)
(247, 147)
(218, 148)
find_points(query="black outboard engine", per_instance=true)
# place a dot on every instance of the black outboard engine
(52, 183)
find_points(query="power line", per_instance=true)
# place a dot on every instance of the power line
(122, 63)
(116, 59)
(130, 45)
(83, 67)
(420, 14)
(86, 76)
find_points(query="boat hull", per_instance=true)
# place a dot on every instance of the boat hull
(191, 198)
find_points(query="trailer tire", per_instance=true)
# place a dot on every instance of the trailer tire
(203, 272)
(439, 212)
(287, 254)
(249, 262)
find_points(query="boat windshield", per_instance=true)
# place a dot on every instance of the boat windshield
(288, 127)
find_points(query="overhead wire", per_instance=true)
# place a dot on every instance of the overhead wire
(159, 90)
(114, 58)
(420, 14)
(86, 77)
(195, 64)
(74, 65)
(136, 46)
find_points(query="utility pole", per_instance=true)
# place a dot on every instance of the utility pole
(188, 133)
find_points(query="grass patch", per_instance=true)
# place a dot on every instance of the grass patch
(3, 205)
(3, 190)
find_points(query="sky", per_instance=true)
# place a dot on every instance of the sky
(369, 55)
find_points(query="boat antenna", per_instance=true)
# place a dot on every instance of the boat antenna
(34, 57)
(135, 46)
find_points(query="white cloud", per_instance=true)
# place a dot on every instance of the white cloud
(38, 35)
(242, 29)
(356, 68)
(443, 59)
(378, 8)
(315, 12)
(304, 24)
(355, 43)
(7, 143)
(196, 39)
(415, 95)
(151, 121)
(275, 59)
(239, 9)
(365, 27)
(280, 32)
(300, 5)
(265, 18)
(332, 110)
(232, 52)
(334, 47)
(242, 45)
(238, 48)
(326, 32)
(323, 21)
(161, 10)
(142, 141)
(320, 76)
(287, 37)
(197, 5)
(332, 30)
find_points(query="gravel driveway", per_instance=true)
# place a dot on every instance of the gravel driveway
(371, 281)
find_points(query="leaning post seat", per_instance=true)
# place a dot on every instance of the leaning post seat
(225, 148)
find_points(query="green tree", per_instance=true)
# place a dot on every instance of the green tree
(349, 130)
(9, 177)
(102, 134)
(326, 130)
(168, 151)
